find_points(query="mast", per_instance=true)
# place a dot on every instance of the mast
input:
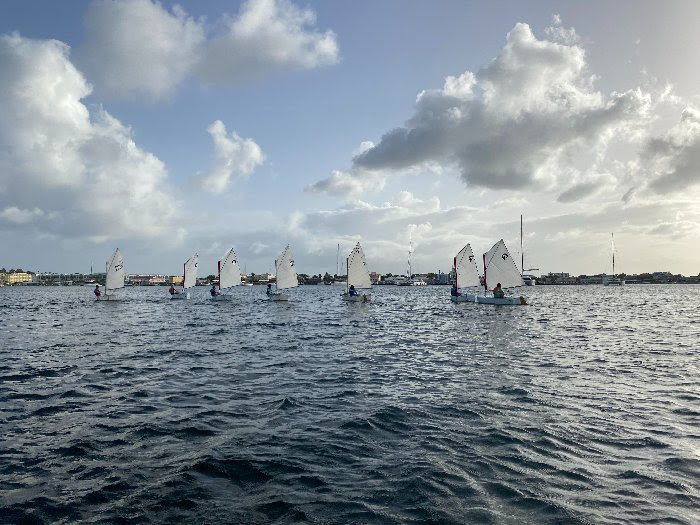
(410, 251)
(184, 274)
(612, 241)
(522, 254)
(486, 288)
(456, 279)
(347, 278)
(337, 262)
(219, 265)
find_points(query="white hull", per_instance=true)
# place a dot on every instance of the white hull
(222, 297)
(278, 297)
(486, 299)
(614, 282)
(363, 298)
(109, 298)
(178, 296)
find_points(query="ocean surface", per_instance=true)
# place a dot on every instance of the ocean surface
(582, 407)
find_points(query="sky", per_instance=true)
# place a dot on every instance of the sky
(167, 128)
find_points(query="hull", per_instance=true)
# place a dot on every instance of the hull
(222, 297)
(179, 296)
(614, 282)
(109, 298)
(278, 297)
(364, 298)
(485, 299)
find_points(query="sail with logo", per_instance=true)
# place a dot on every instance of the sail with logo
(285, 276)
(466, 276)
(358, 277)
(229, 276)
(189, 278)
(114, 277)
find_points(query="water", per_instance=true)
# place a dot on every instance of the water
(583, 407)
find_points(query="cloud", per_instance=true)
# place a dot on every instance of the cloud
(350, 184)
(63, 170)
(234, 156)
(267, 36)
(530, 119)
(137, 47)
(140, 48)
(578, 191)
(673, 159)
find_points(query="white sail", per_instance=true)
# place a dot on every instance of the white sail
(358, 273)
(285, 272)
(229, 271)
(499, 267)
(466, 268)
(115, 271)
(190, 273)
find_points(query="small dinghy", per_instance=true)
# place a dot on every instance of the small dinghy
(189, 278)
(114, 277)
(499, 267)
(229, 276)
(286, 275)
(358, 277)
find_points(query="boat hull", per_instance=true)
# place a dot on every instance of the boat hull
(485, 299)
(179, 296)
(109, 298)
(279, 297)
(222, 297)
(363, 298)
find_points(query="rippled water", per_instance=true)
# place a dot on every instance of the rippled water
(583, 407)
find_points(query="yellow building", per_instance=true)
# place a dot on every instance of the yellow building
(19, 277)
(177, 279)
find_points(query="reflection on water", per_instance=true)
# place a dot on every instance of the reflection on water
(581, 407)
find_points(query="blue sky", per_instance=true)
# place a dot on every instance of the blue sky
(167, 128)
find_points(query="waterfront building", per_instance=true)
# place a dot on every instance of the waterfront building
(19, 278)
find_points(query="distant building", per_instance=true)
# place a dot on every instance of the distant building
(375, 277)
(19, 277)
(177, 279)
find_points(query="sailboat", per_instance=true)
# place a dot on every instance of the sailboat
(467, 275)
(358, 276)
(499, 267)
(286, 275)
(189, 278)
(410, 280)
(229, 276)
(115, 277)
(613, 280)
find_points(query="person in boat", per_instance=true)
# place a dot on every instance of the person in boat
(352, 292)
(454, 292)
(269, 289)
(498, 292)
(97, 290)
(172, 290)
(213, 291)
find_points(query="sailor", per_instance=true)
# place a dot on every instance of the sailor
(454, 292)
(172, 291)
(97, 290)
(352, 292)
(213, 291)
(269, 289)
(498, 293)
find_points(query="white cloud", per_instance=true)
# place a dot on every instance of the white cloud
(17, 216)
(138, 47)
(234, 156)
(530, 119)
(62, 170)
(267, 36)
